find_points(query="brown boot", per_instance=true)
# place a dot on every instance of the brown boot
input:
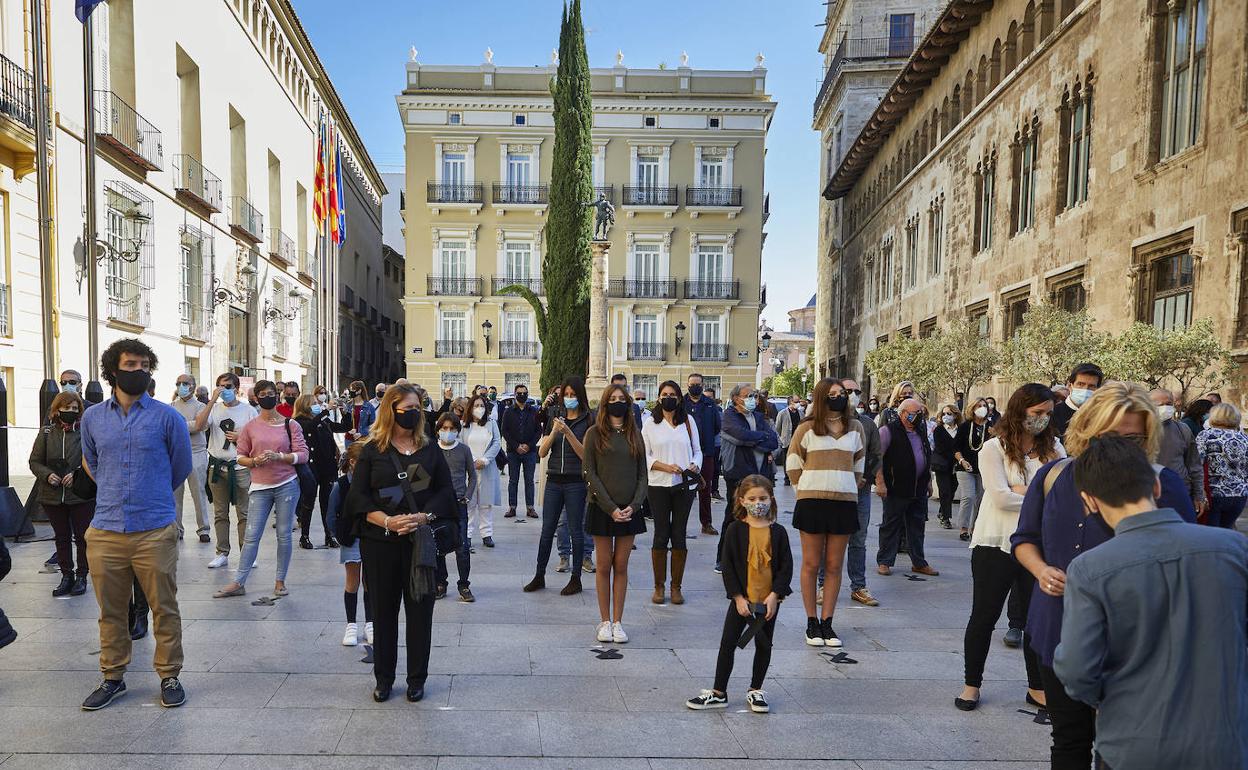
(678, 574)
(658, 558)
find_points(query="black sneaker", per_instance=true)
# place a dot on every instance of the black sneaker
(108, 691)
(171, 693)
(1014, 637)
(488, 542)
(67, 583)
(204, 538)
(306, 543)
(707, 699)
(814, 633)
(829, 634)
(465, 595)
(439, 592)
(757, 701)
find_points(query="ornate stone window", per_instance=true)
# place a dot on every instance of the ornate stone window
(1183, 35)
(1024, 150)
(1165, 281)
(985, 193)
(1075, 155)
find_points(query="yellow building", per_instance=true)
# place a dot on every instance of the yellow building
(679, 152)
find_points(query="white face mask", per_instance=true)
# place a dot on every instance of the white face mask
(855, 400)
(981, 412)
(478, 412)
(1166, 412)
(948, 419)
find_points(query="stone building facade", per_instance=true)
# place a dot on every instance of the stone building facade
(1087, 153)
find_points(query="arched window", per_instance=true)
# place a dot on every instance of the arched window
(934, 128)
(1046, 19)
(1009, 52)
(1027, 44)
(994, 65)
(968, 93)
(981, 80)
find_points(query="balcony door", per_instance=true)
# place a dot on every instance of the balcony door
(900, 34)
(645, 331)
(647, 179)
(646, 262)
(454, 326)
(519, 258)
(454, 259)
(710, 264)
(706, 330)
(454, 176)
(517, 327)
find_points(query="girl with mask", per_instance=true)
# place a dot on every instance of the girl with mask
(673, 457)
(313, 420)
(464, 478)
(480, 434)
(944, 466)
(758, 568)
(972, 434)
(349, 555)
(1008, 462)
(993, 415)
(873, 407)
(55, 459)
(269, 446)
(615, 467)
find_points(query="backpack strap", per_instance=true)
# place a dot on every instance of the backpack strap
(1054, 472)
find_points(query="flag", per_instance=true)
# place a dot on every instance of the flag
(334, 192)
(341, 198)
(318, 194)
(83, 8)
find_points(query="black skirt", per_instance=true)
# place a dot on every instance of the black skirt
(825, 517)
(598, 522)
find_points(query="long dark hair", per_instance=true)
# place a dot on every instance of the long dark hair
(577, 384)
(1198, 409)
(820, 411)
(472, 404)
(632, 431)
(678, 415)
(1010, 430)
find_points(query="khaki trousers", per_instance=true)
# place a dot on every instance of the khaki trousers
(116, 560)
(219, 483)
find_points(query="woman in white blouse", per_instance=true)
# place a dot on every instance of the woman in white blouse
(1024, 442)
(673, 457)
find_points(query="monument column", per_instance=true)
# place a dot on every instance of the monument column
(596, 377)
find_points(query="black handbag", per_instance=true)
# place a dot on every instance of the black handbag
(345, 527)
(303, 471)
(445, 531)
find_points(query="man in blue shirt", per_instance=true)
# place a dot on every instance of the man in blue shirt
(1155, 636)
(709, 418)
(138, 451)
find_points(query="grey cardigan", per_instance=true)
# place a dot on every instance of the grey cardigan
(616, 479)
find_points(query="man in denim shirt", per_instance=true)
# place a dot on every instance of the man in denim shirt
(1156, 624)
(138, 451)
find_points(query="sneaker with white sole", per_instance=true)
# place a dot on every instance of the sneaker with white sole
(604, 631)
(368, 632)
(617, 634)
(830, 638)
(757, 701)
(707, 699)
(220, 560)
(587, 566)
(563, 565)
(351, 637)
(814, 633)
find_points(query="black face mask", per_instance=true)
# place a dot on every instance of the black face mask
(522, 398)
(838, 403)
(695, 390)
(617, 409)
(67, 417)
(354, 393)
(407, 420)
(669, 403)
(133, 382)
(290, 399)
(267, 402)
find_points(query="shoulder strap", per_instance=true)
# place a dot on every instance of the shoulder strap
(689, 430)
(290, 441)
(1051, 477)
(404, 482)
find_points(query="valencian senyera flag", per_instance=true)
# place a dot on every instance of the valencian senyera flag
(319, 193)
(331, 156)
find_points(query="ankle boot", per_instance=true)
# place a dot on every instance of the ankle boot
(658, 558)
(678, 574)
(138, 613)
(67, 583)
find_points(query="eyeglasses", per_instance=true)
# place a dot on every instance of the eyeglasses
(854, 391)
(70, 382)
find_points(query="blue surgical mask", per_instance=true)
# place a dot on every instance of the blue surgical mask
(1079, 395)
(751, 403)
(571, 403)
(317, 409)
(448, 436)
(184, 390)
(70, 388)
(228, 395)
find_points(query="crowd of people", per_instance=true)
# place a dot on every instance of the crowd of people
(1079, 504)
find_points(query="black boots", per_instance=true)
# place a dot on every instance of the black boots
(67, 583)
(138, 613)
(80, 586)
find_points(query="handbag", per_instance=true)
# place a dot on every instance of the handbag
(694, 482)
(307, 479)
(445, 531)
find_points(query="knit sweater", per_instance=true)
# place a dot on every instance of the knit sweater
(463, 471)
(826, 467)
(616, 478)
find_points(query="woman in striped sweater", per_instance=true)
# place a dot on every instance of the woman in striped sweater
(824, 464)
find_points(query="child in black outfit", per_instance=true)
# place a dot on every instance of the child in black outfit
(758, 568)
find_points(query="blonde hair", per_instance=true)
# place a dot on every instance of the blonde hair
(956, 414)
(383, 427)
(1224, 415)
(1102, 412)
(895, 399)
(968, 412)
(303, 405)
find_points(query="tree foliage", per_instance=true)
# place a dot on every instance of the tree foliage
(901, 358)
(793, 381)
(1191, 360)
(1051, 342)
(957, 358)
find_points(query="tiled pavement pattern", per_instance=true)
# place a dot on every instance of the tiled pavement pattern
(515, 680)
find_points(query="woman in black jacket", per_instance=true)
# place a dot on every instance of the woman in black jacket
(55, 459)
(318, 434)
(758, 570)
(972, 434)
(400, 485)
(944, 447)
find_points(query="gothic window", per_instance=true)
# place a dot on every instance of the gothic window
(1182, 74)
(935, 234)
(985, 191)
(1023, 183)
(1074, 158)
(1165, 273)
(1067, 292)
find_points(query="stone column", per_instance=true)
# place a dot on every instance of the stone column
(596, 376)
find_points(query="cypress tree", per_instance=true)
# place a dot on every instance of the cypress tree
(563, 325)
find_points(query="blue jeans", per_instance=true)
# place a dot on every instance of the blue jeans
(516, 461)
(1223, 511)
(856, 554)
(463, 558)
(280, 501)
(568, 498)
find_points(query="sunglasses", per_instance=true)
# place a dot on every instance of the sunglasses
(70, 382)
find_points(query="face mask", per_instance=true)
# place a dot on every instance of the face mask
(228, 395)
(133, 382)
(1079, 395)
(1205, 424)
(910, 417)
(70, 388)
(478, 412)
(522, 398)
(570, 403)
(981, 412)
(407, 420)
(290, 400)
(267, 402)
(493, 396)
(948, 419)
(761, 509)
(68, 417)
(751, 403)
(317, 409)
(617, 409)
(322, 398)
(184, 390)
(861, 409)
(695, 390)
(992, 407)
(838, 403)
(1036, 423)
(669, 403)
(875, 406)
(855, 400)
(1166, 412)
(353, 393)
(448, 436)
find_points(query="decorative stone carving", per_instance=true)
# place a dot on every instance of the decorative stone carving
(714, 152)
(731, 240)
(651, 149)
(501, 237)
(684, 58)
(667, 240)
(521, 149)
(456, 147)
(619, 58)
(412, 54)
(489, 55)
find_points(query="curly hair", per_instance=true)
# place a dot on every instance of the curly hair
(1010, 430)
(110, 359)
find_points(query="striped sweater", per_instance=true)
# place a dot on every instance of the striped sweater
(826, 467)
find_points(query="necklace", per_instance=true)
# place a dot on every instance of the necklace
(971, 439)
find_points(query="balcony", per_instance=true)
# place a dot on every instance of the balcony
(713, 196)
(126, 131)
(534, 285)
(17, 108)
(650, 196)
(452, 348)
(861, 49)
(517, 349)
(194, 184)
(307, 266)
(633, 288)
(708, 351)
(766, 207)
(521, 194)
(713, 289)
(246, 221)
(605, 189)
(647, 351)
(6, 327)
(452, 287)
(453, 193)
(282, 247)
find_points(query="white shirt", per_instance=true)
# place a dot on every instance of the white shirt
(241, 413)
(998, 510)
(671, 444)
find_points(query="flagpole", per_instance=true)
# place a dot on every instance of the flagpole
(43, 182)
(89, 234)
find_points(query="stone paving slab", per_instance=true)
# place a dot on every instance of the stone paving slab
(690, 734)
(437, 733)
(243, 731)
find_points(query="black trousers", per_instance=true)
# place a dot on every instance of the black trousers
(670, 507)
(1074, 725)
(306, 501)
(386, 570)
(946, 486)
(69, 524)
(902, 514)
(729, 497)
(995, 573)
(734, 624)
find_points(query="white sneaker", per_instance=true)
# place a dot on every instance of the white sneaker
(368, 632)
(617, 634)
(219, 561)
(255, 564)
(604, 631)
(351, 637)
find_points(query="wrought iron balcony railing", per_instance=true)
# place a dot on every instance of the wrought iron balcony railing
(282, 247)
(712, 196)
(118, 125)
(517, 349)
(605, 189)
(862, 49)
(453, 348)
(649, 196)
(708, 351)
(532, 284)
(246, 220)
(17, 91)
(191, 179)
(713, 289)
(521, 193)
(630, 287)
(6, 325)
(453, 193)
(454, 287)
(647, 351)
(307, 264)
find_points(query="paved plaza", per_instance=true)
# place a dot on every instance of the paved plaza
(517, 679)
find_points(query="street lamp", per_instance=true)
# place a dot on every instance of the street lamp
(134, 225)
(486, 326)
(273, 312)
(680, 335)
(240, 291)
(766, 342)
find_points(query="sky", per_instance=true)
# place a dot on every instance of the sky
(364, 45)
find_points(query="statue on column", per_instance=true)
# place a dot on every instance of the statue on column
(604, 216)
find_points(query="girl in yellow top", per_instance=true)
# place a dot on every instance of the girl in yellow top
(757, 567)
